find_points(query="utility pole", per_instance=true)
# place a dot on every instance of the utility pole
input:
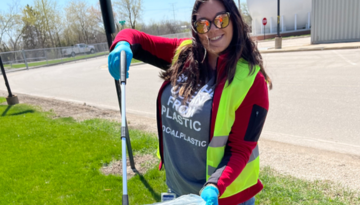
(173, 5)
(278, 19)
(278, 39)
(239, 6)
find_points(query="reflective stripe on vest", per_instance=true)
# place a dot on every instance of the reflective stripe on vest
(231, 98)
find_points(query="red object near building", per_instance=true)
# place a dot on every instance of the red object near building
(264, 21)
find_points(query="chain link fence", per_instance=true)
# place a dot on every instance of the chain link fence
(26, 59)
(178, 35)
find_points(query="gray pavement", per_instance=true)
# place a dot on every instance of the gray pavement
(89, 82)
(314, 102)
(302, 43)
(286, 43)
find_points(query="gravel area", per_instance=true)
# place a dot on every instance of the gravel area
(142, 164)
(302, 162)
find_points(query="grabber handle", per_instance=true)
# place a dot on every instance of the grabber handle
(123, 68)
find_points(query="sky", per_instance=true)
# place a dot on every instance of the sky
(154, 10)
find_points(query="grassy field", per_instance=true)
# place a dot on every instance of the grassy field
(281, 189)
(56, 161)
(67, 59)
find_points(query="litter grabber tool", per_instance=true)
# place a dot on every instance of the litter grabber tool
(109, 26)
(125, 199)
(128, 142)
(108, 18)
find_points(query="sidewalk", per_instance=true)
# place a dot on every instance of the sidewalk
(302, 44)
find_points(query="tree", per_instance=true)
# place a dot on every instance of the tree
(48, 15)
(58, 29)
(129, 10)
(8, 21)
(41, 24)
(98, 32)
(76, 14)
(33, 32)
(84, 22)
(245, 14)
(166, 27)
(15, 34)
(95, 13)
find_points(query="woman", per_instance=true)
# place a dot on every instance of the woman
(212, 105)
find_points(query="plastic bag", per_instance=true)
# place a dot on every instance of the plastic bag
(190, 199)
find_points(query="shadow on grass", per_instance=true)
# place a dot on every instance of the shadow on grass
(23, 112)
(14, 114)
(6, 110)
(155, 195)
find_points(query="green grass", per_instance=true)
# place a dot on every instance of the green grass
(67, 59)
(281, 189)
(135, 61)
(57, 161)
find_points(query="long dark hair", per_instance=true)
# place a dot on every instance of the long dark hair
(191, 55)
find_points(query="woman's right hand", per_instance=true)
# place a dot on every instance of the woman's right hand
(114, 59)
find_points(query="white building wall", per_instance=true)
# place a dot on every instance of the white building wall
(335, 21)
(259, 9)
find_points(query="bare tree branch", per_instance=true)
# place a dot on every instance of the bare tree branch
(245, 14)
(129, 10)
(8, 21)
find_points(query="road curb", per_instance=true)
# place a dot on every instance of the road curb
(310, 49)
(52, 64)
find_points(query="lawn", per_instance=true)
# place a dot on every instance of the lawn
(57, 161)
(45, 160)
(66, 59)
(280, 189)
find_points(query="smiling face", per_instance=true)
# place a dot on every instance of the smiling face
(216, 40)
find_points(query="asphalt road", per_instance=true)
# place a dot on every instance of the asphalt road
(314, 103)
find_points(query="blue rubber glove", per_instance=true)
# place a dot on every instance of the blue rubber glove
(114, 59)
(210, 195)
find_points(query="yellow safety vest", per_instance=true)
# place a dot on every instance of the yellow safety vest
(231, 98)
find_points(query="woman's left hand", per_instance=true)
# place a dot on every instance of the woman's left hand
(210, 195)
